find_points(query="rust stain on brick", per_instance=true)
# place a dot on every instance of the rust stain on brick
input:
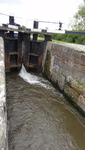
(82, 98)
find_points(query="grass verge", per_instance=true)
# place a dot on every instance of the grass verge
(41, 38)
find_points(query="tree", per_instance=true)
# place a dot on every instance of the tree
(78, 22)
(23, 27)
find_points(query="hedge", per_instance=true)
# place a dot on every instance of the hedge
(69, 38)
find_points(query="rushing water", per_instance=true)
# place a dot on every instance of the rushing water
(39, 117)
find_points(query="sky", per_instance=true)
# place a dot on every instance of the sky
(25, 11)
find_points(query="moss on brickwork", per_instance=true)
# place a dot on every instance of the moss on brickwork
(73, 89)
(80, 86)
(65, 70)
(62, 74)
(66, 89)
(47, 64)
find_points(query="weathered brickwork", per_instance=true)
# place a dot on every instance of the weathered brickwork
(3, 112)
(66, 68)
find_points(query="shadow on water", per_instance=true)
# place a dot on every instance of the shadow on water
(39, 116)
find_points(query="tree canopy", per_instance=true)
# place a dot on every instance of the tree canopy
(78, 22)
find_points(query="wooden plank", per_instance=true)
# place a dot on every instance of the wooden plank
(33, 54)
(13, 53)
(32, 65)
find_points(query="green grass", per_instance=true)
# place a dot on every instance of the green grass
(58, 41)
(42, 38)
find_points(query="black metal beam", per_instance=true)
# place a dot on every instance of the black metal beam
(74, 32)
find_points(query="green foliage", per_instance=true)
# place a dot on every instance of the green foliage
(69, 38)
(41, 35)
(24, 28)
(78, 22)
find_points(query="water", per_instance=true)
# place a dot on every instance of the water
(39, 117)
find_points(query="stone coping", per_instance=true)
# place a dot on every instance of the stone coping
(77, 47)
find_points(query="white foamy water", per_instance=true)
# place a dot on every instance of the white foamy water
(32, 79)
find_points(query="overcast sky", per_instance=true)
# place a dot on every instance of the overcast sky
(47, 10)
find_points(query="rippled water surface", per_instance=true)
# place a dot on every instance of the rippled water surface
(39, 117)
